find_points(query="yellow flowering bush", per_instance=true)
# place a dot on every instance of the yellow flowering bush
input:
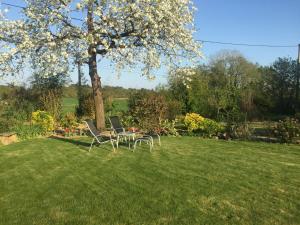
(202, 126)
(193, 121)
(44, 119)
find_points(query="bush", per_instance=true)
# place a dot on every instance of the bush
(287, 130)
(174, 108)
(12, 113)
(109, 105)
(167, 127)
(25, 132)
(148, 109)
(211, 128)
(240, 130)
(49, 92)
(86, 108)
(44, 119)
(205, 127)
(193, 121)
(127, 121)
(18, 104)
(6, 125)
(51, 102)
(69, 120)
(297, 116)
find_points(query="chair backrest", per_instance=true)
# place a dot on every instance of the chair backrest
(116, 124)
(90, 124)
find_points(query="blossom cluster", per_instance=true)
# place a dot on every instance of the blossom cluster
(185, 74)
(54, 34)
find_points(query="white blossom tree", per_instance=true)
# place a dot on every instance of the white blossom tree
(51, 34)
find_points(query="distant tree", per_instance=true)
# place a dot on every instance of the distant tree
(178, 88)
(263, 99)
(222, 89)
(279, 84)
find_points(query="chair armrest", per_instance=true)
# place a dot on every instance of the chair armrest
(120, 129)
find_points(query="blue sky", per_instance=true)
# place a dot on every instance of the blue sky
(273, 22)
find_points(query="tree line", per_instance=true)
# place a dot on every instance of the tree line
(231, 88)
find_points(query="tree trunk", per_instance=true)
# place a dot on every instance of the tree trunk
(298, 81)
(79, 87)
(96, 83)
(97, 92)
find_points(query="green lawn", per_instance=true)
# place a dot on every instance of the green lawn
(186, 181)
(120, 104)
(69, 105)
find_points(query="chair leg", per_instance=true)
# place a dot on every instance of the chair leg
(135, 143)
(118, 139)
(151, 141)
(112, 143)
(92, 144)
(159, 142)
(151, 145)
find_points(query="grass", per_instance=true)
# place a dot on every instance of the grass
(69, 105)
(120, 104)
(186, 181)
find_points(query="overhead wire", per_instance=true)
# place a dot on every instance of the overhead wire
(203, 41)
(248, 45)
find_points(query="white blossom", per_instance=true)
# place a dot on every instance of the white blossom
(49, 37)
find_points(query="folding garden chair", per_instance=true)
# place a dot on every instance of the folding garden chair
(120, 132)
(99, 137)
(116, 125)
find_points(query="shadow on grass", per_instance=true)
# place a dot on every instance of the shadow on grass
(85, 145)
(71, 141)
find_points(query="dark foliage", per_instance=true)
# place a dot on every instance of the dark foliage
(148, 108)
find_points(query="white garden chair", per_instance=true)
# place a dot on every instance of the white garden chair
(98, 137)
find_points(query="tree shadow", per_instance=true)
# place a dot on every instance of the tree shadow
(84, 145)
(72, 141)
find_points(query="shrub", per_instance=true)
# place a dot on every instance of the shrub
(25, 132)
(202, 126)
(6, 125)
(109, 105)
(127, 120)
(51, 102)
(12, 113)
(49, 92)
(44, 119)
(287, 130)
(211, 128)
(86, 108)
(193, 121)
(148, 109)
(240, 130)
(297, 116)
(174, 108)
(18, 104)
(168, 128)
(69, 120)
